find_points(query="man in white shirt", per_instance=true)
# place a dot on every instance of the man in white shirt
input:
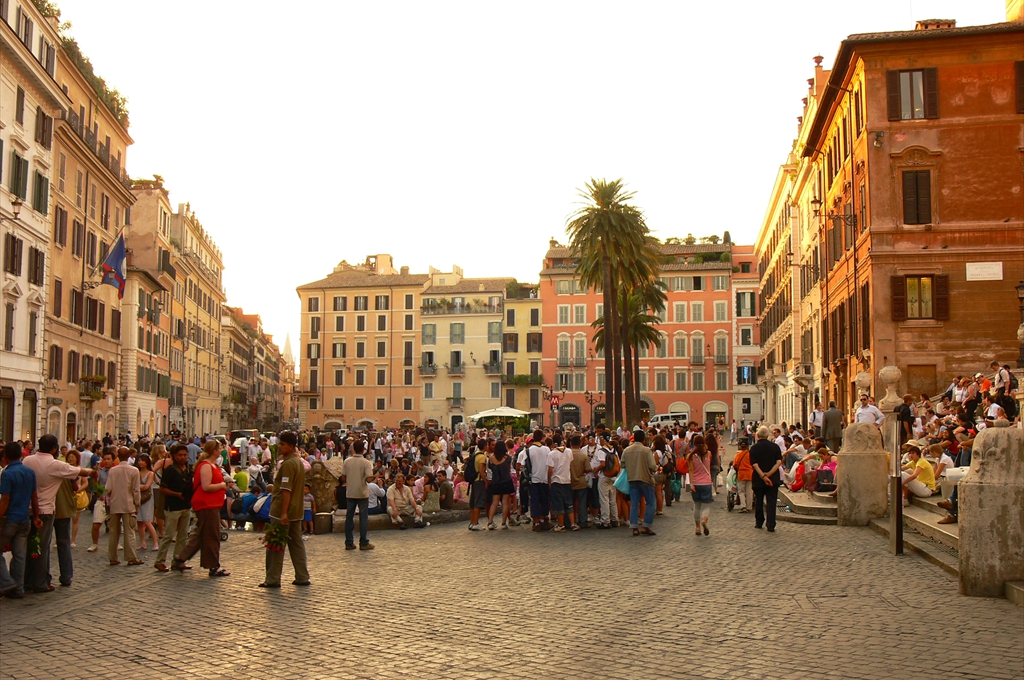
(868, 412)
(605, 486)
(780, 441)
(816, 416)
(561, 487)
(540, 493)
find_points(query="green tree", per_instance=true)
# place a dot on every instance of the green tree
(610, 236)
(689, 240)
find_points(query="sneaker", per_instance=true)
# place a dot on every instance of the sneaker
(503, 526)
(575, 527)
(92, 548)
(366, 546)
(513, 521)
(491, 526)
(558, 528)
(475, 527)
(305, 537)
(602, 526)
(402, 526)
(537, 527)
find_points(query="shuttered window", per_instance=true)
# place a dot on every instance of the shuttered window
(917, 196)
(1019, 66)
(920, 297)
(913, 95)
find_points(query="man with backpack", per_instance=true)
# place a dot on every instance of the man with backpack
(538, 459)
(1003, 383)
(475, 476)
(606, 469)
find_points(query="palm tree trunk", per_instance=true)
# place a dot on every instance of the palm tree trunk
(610, 344)
(636, 370)
(627, 358)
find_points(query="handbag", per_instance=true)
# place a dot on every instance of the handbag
(676, 485)
(621, 482)
(145, 495)
(81, 500)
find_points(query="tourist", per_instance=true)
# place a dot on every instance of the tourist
(918, 475)
(402, 504)
(713, 443)
(537, 464)
(19, 510)
(286, 510)
(559, 463)
(476, 470)
(580, 477)
(831, 428)
(868, 412)
(765, 460)
(176, 490)
(357, 474)
(638, 460)
(79, 485)
(744, 472)
(208, 494)
(501, 488)
(446, 492)
(607, 468)
(147, 479)
(308, 510)
(99, 507)
(123, 498)
(905, 417)
(699, 464)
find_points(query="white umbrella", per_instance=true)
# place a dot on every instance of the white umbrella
(500, 412)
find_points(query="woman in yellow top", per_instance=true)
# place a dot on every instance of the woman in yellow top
(918, 476)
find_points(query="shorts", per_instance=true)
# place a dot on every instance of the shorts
(502, 488)
(702, 494)
(99, 512)
(561, 498)
(540, 500)
(307, 515)
(478, 495)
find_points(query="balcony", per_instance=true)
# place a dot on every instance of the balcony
(522, 379)
(492, 369)
(90, 388)
(428, 369)
(579, 361)
(459, 369)
(697, 360)
(468, 308)
(99, 150)
(564, 362)
(456, 403)
(721, 359)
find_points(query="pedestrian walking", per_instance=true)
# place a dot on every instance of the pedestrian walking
(124, 498)
(19, 510)
(699, 463)
(765, 460)
(208, 494)
(356, 472)
(286, 511)
(638, 460)
(176, 490)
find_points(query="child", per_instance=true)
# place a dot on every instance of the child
(308, 508)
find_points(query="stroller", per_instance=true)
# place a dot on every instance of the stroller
(192, 524)
(732, 489)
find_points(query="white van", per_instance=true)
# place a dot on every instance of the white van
(670, 419)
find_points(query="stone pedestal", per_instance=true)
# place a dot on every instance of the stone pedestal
(991, 499)
(861, 476)
(890, 375)
(321, 484)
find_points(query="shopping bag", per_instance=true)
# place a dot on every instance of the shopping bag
(622, 482)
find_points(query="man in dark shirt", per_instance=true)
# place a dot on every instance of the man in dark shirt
(765, 459)
(905, 416)
(176, 486)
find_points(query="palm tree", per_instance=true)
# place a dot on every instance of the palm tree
(644, 308)
(609, 234)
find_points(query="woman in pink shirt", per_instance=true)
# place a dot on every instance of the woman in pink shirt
(699, 463)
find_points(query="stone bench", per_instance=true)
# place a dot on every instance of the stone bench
(383, 522)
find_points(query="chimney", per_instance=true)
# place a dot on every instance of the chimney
(932, 24)
(404, 271)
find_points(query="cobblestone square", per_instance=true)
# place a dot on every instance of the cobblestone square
(805, 602)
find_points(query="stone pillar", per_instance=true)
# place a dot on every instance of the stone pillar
(1019, 396)
(861, 476)
(991, 499)
(890, 375)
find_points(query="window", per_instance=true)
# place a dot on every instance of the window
(746, 336)
(457, 390)
(456, 359)
(562, 381)
(380, 403)
(563, 314)
(360, 349)
(643, 381)
(721, 311)
(721, 349)
(408, 322)
(313, 304)
(79, 186)
(697, 344)
(382, 376)
(913, 95)
(77, 238)
(679, 312)
(563, 351)
(407, 378)
(360, 376)
(314, 327)
(719, 282)
(495, 390)
(339, 403)
(381, 302)
(340, 303)
(744, 304)
(535, 368)
(382, 349)
(91, 248)
(19, 175)
(12, 254)
(429, 334)
(534, 342)
(339, 324)
(697, 312)
(510, 318)
(698, 382)
(9, 326)
(598, 310)
(661, 381)
(744, 267)
(721, 381)
(680, 382)
(510, 342)
(920, 297)
(382, 322)
(579, 382)
(338, 350)
(360, 403)
(428, 390)
(339, 377)
(534, 317)
(600, 382)
(56, 367)
(917, 196)
(746, 375)
(680, 345)
(661, 347)
(361, 303)
(409, 305)
(698, 283)
(407, 404)
(493, 331)
(563, 288)
(457, 333)
(60, 226)
(579, 314)
(360, 322)
(510, 397)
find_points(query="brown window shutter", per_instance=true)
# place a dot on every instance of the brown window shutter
(892, 86)
(940, 301)
(931, 93)
(910, 197)
(899, 298)
(924, 196)
(1020, 86)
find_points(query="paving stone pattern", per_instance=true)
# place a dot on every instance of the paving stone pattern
(805, 602)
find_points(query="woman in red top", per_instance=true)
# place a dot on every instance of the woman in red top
(207, 499)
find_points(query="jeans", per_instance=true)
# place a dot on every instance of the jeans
(609, 503)
(17, 536)
(638, 490)
(581, 497)
(765, 501)
(37, 574)
(62, 529)
(176, 531)
(540, 500)
(350, 519)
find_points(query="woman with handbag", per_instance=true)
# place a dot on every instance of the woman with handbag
(663, 475)
(144, 518)
(699, 460)
(79, 489)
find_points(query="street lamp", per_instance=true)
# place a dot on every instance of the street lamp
(592, 399)
(1020, 329)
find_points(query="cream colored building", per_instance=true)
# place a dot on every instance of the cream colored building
(522, 353)
(237, 351)
(201, 267)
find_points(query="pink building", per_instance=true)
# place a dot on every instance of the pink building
(691, 373)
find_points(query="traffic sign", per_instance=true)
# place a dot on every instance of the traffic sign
(554, 401)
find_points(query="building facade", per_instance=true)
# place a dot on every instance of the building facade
(747, 402)
(237, 350)
(522, 346)
(145, 352)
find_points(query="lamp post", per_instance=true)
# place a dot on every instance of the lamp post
(592, 399)
(1020, 329)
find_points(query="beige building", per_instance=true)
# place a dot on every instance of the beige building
(145, 350)
(200, 266)
(289, 386)
(237, 353)
(461, 335)
(522, 347)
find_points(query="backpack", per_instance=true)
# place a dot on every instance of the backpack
(470, 474)
(527, 468)
(236, 506)
(261, 508)
(1012, 384)
(611, 463)
(669, 468)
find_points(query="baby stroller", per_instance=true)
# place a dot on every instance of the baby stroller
(192, 528)
(732, 489)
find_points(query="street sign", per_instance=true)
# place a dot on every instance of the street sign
(554, 401)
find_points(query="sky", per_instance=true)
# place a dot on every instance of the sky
(460, 132)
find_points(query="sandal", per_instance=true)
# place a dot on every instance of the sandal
(161, 567)
(218, 571)
(647, 532)
(178, 565)
(114, 563)
(135, 563)
(269, 585)
(636, 532)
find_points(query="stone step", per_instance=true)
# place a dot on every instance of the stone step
(927, 523)
(930, 550)
(824, 498)
(383, 522)
(802, 503)
(795, 518)
(1014, 591)
(931, 504)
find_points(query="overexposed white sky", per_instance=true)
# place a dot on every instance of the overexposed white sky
(458, 132)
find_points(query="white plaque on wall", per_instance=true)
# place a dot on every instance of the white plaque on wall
(984, 271)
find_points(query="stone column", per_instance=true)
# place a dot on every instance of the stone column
(1019, 396)
(890, 375)
(861, 476)
(991, 499)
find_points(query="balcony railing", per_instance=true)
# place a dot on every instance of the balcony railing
(697, 360)
(456, 402)
(579, 361)
(522, 379)
(492, 369)
(436, 310)
(564, 362)
(459, 369)
(428, 369)
(101, 152)
(721, 358)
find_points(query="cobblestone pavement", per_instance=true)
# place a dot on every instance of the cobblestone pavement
(805, 602)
